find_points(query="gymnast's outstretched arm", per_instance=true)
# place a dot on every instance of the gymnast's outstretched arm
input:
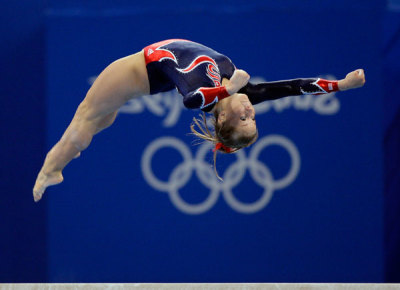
(267, 91)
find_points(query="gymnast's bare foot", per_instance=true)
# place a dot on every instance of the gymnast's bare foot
(45, 180)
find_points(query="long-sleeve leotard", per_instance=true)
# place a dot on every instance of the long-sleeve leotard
(268, 91)
(196, 71)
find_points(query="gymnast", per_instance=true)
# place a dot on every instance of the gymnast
(206, 79)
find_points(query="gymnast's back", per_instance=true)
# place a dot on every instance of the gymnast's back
(185, 65)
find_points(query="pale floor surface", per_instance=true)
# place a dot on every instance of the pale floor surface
(199, 286)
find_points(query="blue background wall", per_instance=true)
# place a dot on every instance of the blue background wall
(391, 72)
(22, 142)
(326, 225)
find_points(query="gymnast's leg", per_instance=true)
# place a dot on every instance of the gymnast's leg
(103, 124)
(122, 80)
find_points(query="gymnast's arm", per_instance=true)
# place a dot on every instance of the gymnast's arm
(204, 96)
(258, 93)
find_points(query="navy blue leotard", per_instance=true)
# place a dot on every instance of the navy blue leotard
(196, 71)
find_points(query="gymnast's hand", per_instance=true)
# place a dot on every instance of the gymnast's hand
(238, 80)
(353, 80)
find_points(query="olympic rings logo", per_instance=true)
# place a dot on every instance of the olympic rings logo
(232, 176)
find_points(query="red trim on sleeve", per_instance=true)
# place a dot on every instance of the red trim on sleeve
(328, 86)
(213, 95)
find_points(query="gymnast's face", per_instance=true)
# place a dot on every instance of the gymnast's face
(240, 113)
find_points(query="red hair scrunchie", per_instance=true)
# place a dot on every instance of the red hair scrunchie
(220, 145)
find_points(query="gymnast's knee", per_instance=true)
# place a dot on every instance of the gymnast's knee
(80, 132)
(82, 128)
(80, 138)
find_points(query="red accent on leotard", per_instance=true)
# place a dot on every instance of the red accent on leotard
(213, 95)
(155, 53)
(198, 61)
(328, 86)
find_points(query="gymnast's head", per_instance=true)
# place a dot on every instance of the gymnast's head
(234, 125)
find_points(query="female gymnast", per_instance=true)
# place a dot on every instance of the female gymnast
(207, 80)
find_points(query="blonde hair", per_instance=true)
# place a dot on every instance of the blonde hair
(223, 133)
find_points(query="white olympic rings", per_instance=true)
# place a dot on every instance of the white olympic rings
(232, 176)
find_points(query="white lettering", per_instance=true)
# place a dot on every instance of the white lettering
(327, 104)
(304, 102)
